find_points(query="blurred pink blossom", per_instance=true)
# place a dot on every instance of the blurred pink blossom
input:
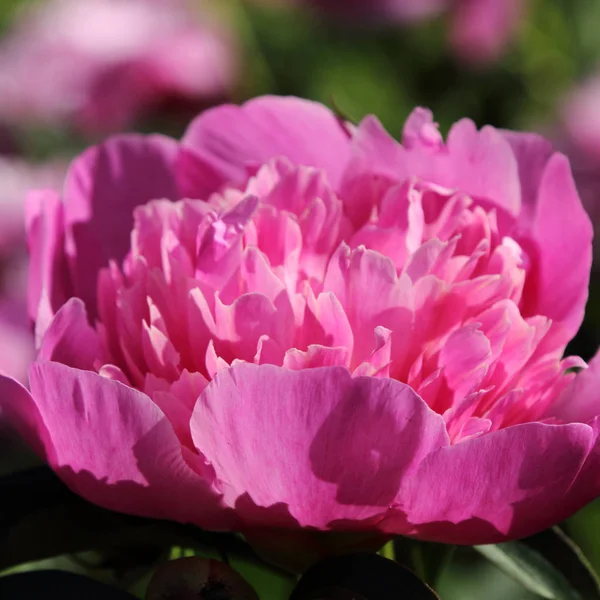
(580, 136)
(285, 321)
(97, 64)
(480, 30)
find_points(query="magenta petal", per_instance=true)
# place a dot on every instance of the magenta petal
(479, 163)
(559, 288)
(70, 339)
(580, 400)
(532, 152)
(499, 486)
(325, 445)
(222, 143)
(19, 410)
(112, 445)
(48, 285)
(102, 188)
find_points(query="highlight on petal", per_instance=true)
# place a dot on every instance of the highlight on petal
(318, 440)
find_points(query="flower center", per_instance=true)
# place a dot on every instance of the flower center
(426, 291)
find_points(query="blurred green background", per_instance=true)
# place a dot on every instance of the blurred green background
(387, 71)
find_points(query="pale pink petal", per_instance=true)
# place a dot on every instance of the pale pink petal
(318, 442)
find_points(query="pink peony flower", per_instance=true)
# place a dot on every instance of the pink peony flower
(285, 321)
(480, 30)
(16, 341)
(98, 64)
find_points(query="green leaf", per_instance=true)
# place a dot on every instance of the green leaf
(427, 559)
(548, 564)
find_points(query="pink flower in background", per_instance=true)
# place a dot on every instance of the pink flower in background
(480, 29)
(16, 340)
(285, 321)
(581, 137)
(100, 63)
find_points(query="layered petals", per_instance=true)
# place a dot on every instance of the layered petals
(141, 466)
(288, 322)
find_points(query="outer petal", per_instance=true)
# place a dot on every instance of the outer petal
(532, 152)
(48, 282)
(580, 401)
(316, 442)
(18, 409)
(102, 188)
(16, 346)
(70, 339)
(499, 486)
(112, 445)
(479, 163)
(561, 234)
(222, 143)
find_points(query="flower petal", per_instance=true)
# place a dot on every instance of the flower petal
(222, 143)
(503, 485)
(558, 288)
(327, 446)
(102, 188)
(48, 285)
(580, 400)
(112, 445)
(478, 163)
(70, 339)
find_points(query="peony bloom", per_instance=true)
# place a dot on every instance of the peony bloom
(480, 30)
(98, 64)
(16, 179)
(286, 321)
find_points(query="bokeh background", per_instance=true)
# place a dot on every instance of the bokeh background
(74, 71)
